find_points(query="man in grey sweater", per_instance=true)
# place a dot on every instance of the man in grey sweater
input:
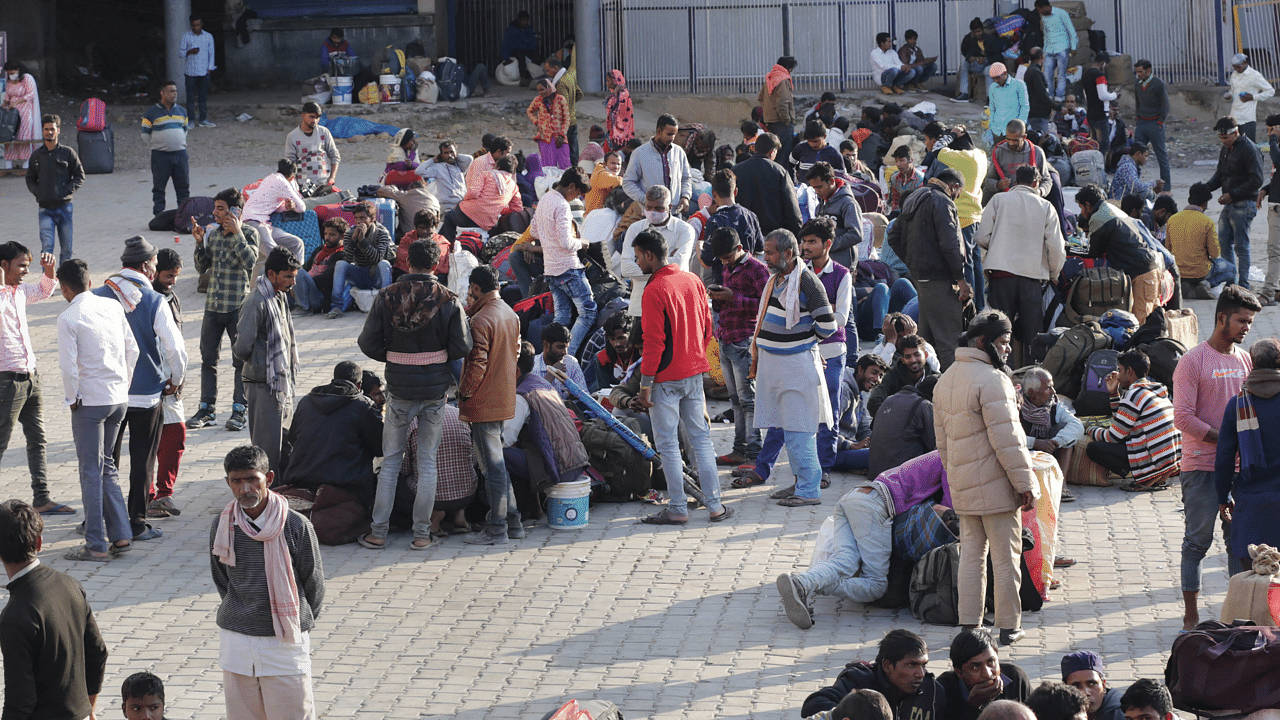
(1152, 102)
(265, 560)
(265, 344)
(660, 162)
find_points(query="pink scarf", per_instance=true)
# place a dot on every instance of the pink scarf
(776, 76)
(281, 586)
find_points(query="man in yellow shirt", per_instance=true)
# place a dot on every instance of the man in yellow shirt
(1193, 239)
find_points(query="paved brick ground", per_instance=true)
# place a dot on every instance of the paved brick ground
(666, 622)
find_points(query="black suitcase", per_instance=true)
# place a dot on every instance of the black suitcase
(97, 151)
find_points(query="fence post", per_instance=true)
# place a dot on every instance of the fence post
(1222, 74)
(693, 53)
(844, 54)
(786, 27)
(942, 34)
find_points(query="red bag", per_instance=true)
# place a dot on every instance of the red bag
(92, 116)
(1225, 667)
(401, 178)
(324, 212)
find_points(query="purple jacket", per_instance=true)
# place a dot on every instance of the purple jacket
(914, 481)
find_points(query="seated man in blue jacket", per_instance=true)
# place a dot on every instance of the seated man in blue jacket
(977, 678)
(898, 673)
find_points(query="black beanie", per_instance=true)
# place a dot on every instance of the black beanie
(989, 326)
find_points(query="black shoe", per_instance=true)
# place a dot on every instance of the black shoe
(1067, 496)
(204, 417)
(237, 421)
(1009, 637)
(796, 602)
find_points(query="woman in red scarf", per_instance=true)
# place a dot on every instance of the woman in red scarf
(619, 118)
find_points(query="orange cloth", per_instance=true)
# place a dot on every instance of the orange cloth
(602, 183)
(775, 76)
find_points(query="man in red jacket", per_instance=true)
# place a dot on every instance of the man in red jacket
(677, 328)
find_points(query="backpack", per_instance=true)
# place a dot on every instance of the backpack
(1225, 667)
(92, 116)
(1097, 290)
(1164, 354)
(935, 586)
(1042, 342)
(626, 473)
(1089, 166)
(868, 195)
(1094, 398)
(1120, 325)
(449, 78)
(1065, 361)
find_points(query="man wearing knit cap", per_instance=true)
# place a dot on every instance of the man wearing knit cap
(159, 370)
(1084, 671)
(984, 450)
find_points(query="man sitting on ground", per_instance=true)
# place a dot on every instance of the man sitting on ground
(1147, 699)
(608, 367)
(905, 427)
(1085, 672)
(315, 286)
(853, 447)
(977, 678)
(490, 194)
(366, 258)
(908, 369)
(335, 434)
(555, 353)
(542, 446)
(858, 567)
(1055, 701)
(411, 201)
(1141, 438)
(898, 673)
(1050, 425)
(862, 705)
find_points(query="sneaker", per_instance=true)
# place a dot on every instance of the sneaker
(962, 97)
(484, 538)
(334, 314)
(206, 123)
(796, 601)
(732, 459)
(516, 531)
(237, 421)
(203, 418)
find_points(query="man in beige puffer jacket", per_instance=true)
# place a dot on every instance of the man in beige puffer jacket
(984, 450)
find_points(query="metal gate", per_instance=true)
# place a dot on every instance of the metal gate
(726, 46)
(1257, 28)
(476, 27)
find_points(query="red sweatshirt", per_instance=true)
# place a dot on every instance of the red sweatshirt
(677, 325)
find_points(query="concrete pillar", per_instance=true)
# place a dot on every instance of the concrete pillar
(177, 21)
(586, 25)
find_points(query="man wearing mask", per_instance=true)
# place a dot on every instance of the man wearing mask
(678, 234)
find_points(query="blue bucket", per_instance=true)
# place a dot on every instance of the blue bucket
(569, 505)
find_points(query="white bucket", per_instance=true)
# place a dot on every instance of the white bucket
(389, 88)
(569, 504)
(342, 90)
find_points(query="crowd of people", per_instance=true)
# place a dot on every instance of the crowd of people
(625, 272)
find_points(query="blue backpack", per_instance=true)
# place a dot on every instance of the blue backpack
(449, 78)
(1120, 325)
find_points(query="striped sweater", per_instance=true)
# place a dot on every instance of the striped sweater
(1142, 418)
(817, 320)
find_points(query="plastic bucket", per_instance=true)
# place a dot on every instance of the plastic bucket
(569, 505)
(389, 88)
(342, 90)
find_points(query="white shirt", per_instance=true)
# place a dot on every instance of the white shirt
(680, 242)
(511, 428)
(571, 368)
(30, 566)
(96, 351)
(1250, 81)
(266, 656)
(598, 225)
(842, 305)
(16, 352)
(173, 351)
(200, 63)
(882, 60)
(552, 225)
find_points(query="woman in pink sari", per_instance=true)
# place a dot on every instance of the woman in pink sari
(620, 120)
(20, 92)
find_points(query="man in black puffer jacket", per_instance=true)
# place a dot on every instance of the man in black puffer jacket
(898, 673)
(335, 435)
(417, 327)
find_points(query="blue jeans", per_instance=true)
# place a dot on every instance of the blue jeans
(925, 72)
(525, 270)
(166, 165)
(570, 290)
(1233, 235)
(395, 436)
(1044, 126)
(802, 451)
(1055, 73)
(973, 266)
(305, 293)
(95, 429)
(360, 277)
(890, 78)
(1220, 271)
(882, 301)
(487, 439)
(858, 568)
(676, 403)
(856, 461)
(1151, 132)
(833, 370)
(1200, 502)
(735, 361)
(198, 91)
(59, 219)
(972, 67)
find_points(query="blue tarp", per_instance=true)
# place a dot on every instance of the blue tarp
(345, 126)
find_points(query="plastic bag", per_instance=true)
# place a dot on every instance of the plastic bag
(461, 263)
(363, 298)
(824, 546)
(370, 94)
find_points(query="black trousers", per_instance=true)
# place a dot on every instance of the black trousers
(1112, 456)
(144, 426)
(1021, 299)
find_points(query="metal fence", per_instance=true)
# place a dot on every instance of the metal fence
(726, 46)
(1257, 31)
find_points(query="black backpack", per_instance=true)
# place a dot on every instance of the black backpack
(1065, 361)
(935, 586)
(1094, 398)
(1164, 354)
(449, 78)
(628, 476)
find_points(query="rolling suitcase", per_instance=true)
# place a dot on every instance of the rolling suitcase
(97, 150)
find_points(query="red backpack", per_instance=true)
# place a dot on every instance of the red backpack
(93, 116)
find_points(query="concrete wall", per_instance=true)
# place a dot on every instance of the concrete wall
(287, 50)
(29, 26)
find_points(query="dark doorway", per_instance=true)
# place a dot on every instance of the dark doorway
(479, 25)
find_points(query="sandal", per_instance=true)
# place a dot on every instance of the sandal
(119, 549)
(725, 514)
(664, 517)
(1063, 562)
(797, 501)
(826, 481)
(59, 509)
(364, 542)
(439, 534)
(749, 479)
(165, 504)
(415, 546)
(83, 553)
(1139, 487)
(784, 493)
